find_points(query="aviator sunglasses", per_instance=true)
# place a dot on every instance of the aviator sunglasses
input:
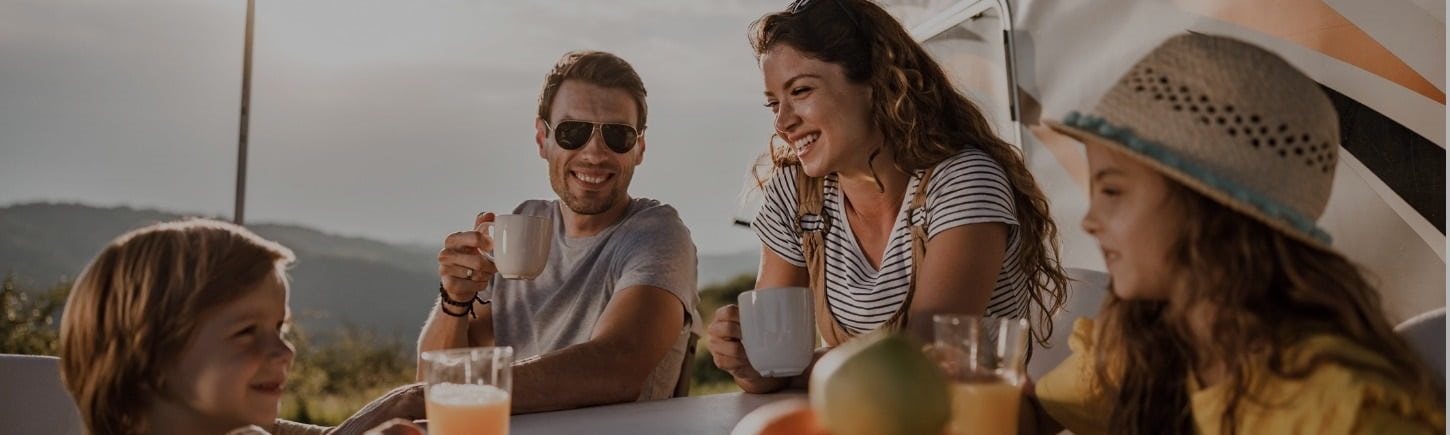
(572, 135)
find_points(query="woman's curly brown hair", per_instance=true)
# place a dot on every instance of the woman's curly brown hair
(922, 116)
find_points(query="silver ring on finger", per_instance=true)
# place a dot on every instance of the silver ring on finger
(468, 273)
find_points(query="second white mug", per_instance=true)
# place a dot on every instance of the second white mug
(778, 329)
(520, 244)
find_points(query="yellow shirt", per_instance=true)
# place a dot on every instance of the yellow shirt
(1333, 399)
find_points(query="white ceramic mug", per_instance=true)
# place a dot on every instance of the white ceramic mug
(520, 244)
(778, 329)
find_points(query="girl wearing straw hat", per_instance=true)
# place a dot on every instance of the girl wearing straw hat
(1230, 312)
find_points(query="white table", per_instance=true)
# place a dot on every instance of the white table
(713, 414)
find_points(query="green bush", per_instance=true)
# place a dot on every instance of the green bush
(341, 370)
(705, 377)
(29, 322)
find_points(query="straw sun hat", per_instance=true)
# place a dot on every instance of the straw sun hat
(1229, 120)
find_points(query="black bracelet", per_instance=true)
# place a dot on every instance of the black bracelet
(467, 305)
(466, 312)
(447, 300)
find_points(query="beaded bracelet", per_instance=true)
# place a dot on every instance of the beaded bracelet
(466, 312)
(466, 305)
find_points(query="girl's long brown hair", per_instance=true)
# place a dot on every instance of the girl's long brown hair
(924, 119)
(1267, 291)
(135, 306)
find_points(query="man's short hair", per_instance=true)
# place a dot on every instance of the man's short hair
(596, 68)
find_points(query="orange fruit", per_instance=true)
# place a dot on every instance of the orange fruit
(785, 417)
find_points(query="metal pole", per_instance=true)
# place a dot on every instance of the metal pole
(1013, 93)
(245, 117)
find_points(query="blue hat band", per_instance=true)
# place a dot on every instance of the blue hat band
(1269, 207)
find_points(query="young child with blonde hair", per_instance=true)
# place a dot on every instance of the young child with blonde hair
(180, 327)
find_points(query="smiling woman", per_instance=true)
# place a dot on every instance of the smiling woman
(891, 197)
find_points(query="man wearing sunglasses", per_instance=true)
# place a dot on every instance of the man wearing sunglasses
(613, 316)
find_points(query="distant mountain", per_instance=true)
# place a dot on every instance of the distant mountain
(337, 279)
(719, 268)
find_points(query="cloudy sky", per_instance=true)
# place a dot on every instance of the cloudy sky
(389, 119)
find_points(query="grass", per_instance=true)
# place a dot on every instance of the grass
(714, 388)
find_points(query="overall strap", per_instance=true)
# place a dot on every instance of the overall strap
(812, 225)
(918, 249)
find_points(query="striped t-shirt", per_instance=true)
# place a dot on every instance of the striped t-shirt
(967, 188)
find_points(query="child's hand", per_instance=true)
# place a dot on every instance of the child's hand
(397, 426)
(405, 403)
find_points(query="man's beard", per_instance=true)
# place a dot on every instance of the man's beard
(590, 202)
(586, 207)
(593, 204)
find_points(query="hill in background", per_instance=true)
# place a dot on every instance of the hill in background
(338, 280)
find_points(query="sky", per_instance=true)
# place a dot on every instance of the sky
(399, 120)
(389, 120)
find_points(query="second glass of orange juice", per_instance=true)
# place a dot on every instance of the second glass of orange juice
(468, 389)
(984, 358)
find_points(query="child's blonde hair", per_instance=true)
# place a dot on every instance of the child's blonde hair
(136, 304)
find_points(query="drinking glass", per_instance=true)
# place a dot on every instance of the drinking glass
(468, 390)
(984, 358)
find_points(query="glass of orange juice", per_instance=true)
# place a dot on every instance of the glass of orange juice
(468, 389)
(984, 358)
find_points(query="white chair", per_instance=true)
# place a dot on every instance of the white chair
(32, 399)
(1426, 334)
(1085, 292)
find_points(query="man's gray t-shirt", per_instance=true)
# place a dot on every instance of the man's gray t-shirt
(649, 246)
